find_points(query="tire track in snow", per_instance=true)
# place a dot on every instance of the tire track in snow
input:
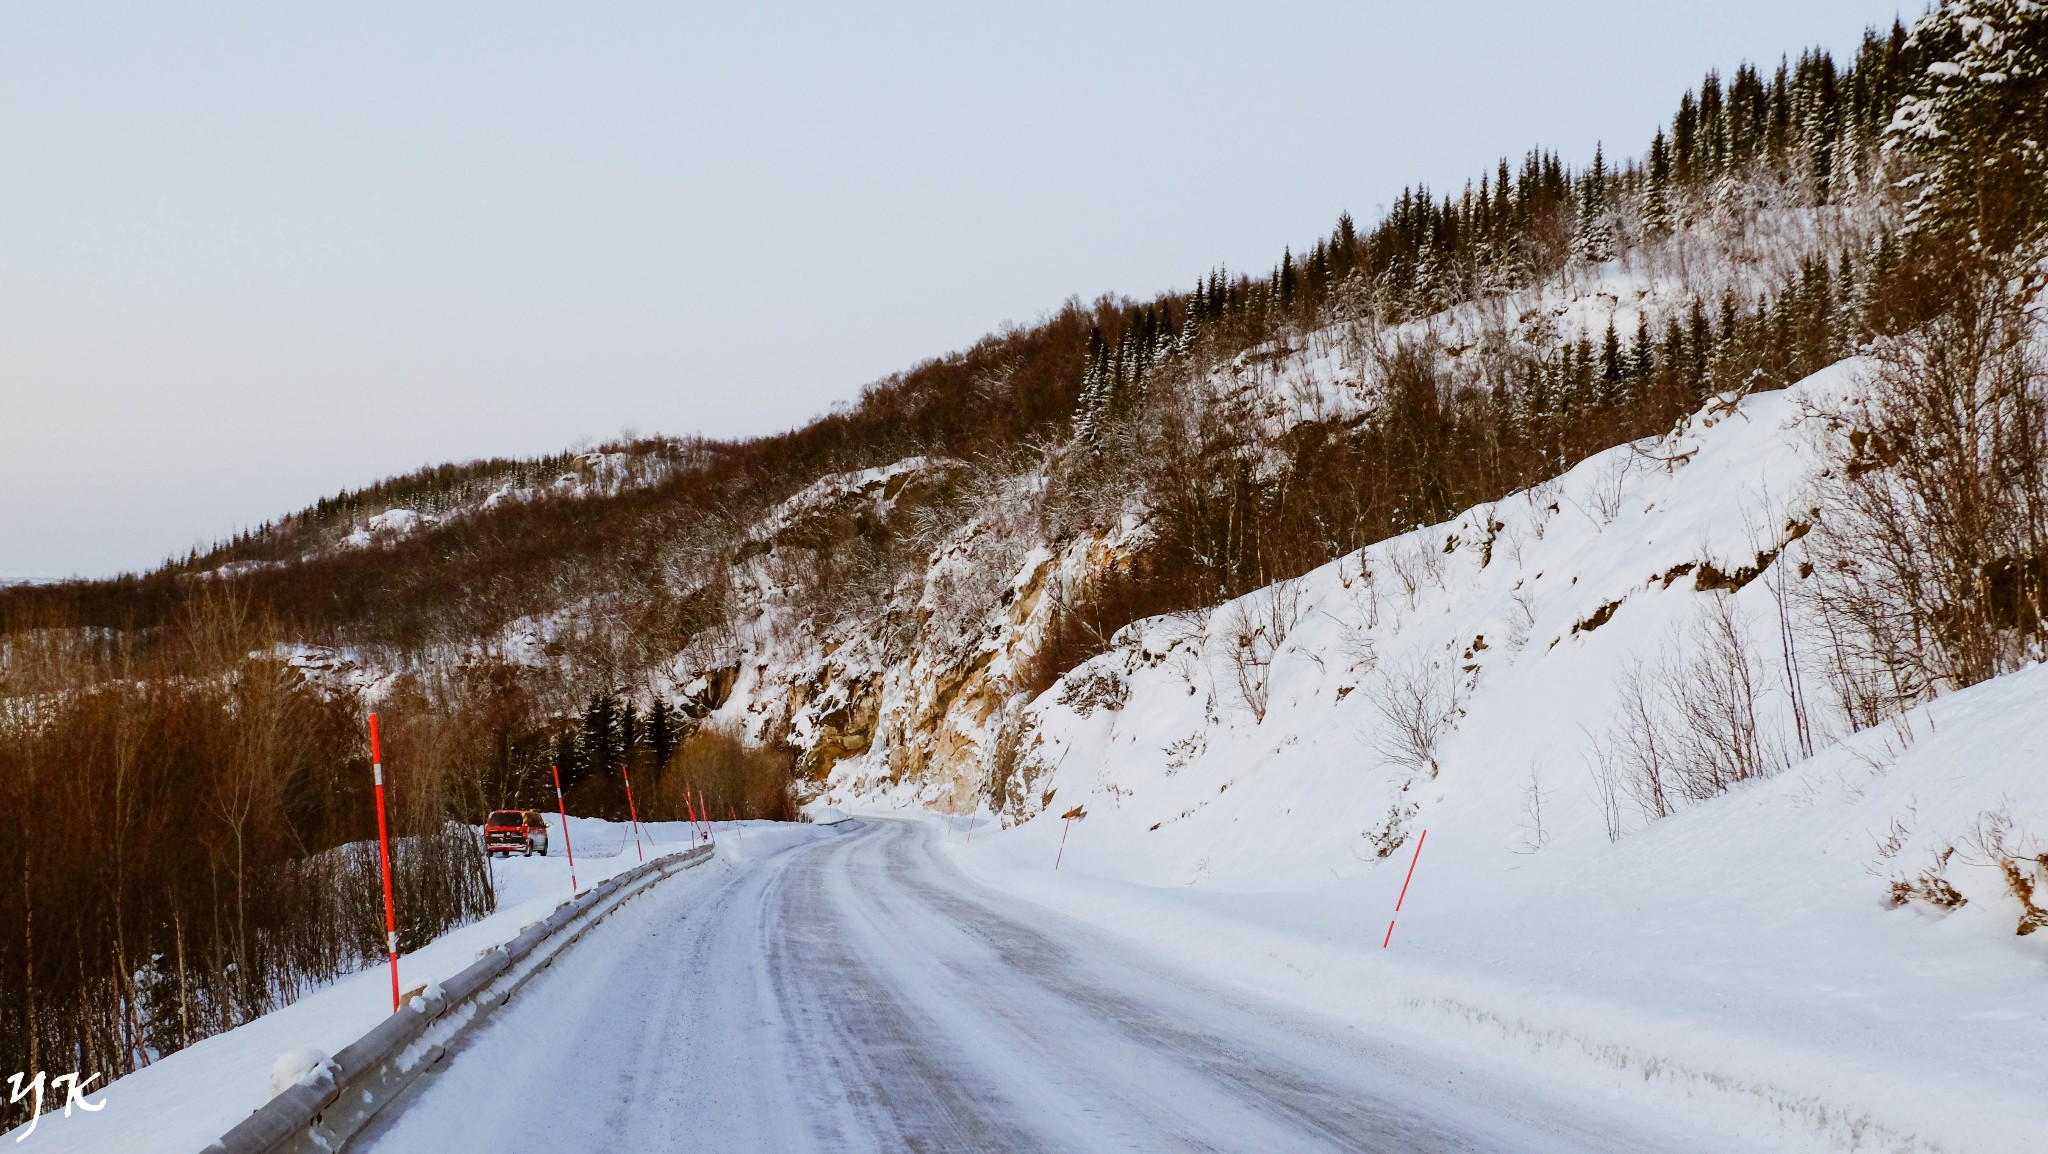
(857, 993)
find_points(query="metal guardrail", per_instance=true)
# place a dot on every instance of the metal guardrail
(321, 1113)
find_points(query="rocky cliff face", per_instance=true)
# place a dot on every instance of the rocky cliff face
(912, 688)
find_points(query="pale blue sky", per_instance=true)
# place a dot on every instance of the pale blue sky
(252, 254)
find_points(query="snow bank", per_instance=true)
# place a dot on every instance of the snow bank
(1251, 806)
(183, 1102)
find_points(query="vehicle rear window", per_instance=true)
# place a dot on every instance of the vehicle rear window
(508, 817)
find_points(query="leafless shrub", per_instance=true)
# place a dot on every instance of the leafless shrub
(1790, 664)
(1087, 690)
(2019, 859)
(1931, 551)
(1688, 726)
(1406, 565)
(1392, 833)
(1429, 558)
(1720, 742)
(1606, 773)
(1254, 630)
(1534, 837)
(1543, 499)
(1608, 488)
(1638, 749)
(1363, 590)
(1521, 619)
(1417, 704)
(1928, 885)
(1517, 543)
(729, 774)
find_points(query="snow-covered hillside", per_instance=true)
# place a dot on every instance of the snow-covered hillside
(1826, 952)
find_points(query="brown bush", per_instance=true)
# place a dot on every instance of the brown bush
(732, 776)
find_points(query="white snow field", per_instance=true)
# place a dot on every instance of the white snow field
(182, 1103)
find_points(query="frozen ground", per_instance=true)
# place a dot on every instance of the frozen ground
(858, 993)
(182, 1103)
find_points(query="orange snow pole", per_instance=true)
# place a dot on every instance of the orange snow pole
(710, 831)
(690, 808)
(384, 856)
(566, 843)
(634, 810)
(1404, 889)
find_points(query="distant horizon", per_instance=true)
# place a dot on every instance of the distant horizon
(263, 257)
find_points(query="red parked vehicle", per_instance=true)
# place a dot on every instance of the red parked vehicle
(516, 831)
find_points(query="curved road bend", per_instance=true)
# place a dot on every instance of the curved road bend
(857, 993)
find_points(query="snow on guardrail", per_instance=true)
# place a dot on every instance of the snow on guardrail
(313, 1114)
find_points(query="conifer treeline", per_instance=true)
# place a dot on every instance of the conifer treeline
(1811, 123)
(1233, 510)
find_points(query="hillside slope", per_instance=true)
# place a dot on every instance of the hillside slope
(1824, 955)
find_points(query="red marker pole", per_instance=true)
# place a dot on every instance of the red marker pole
(710, 833)
(384, 855)
(1068, 828)
(634, 810)
(690, 807)
(566, 843)
(1404, 888)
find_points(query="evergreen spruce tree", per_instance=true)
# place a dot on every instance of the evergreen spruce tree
(1585, 389)
(1674, 346)
(1593, 242)
(1657, 198)
(630, 735)
(1683, 127)
(599, 752)
(1713, 138)
(661, 737)
(1699, 342)
(1611, 366)
(1642, 354)
(1095, 389)
(567, 760)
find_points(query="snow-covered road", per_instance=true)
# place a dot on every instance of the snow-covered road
(857, 993)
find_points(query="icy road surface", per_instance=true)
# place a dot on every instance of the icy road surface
(857, 993)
